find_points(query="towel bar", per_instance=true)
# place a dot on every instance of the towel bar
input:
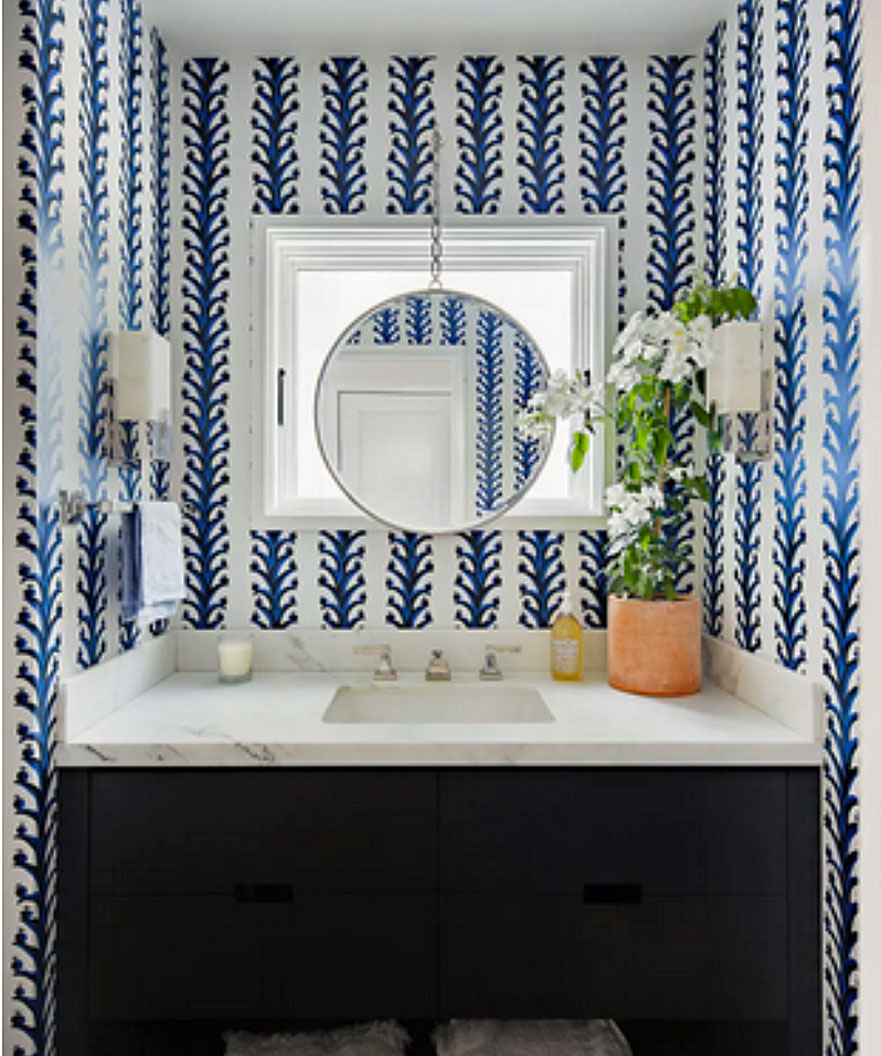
(73, 505)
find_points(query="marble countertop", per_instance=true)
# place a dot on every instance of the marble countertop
(188, 719)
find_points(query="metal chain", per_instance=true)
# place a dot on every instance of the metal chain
(436, 246)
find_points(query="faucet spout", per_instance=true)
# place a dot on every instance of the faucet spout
(385, 671)
(438, 669)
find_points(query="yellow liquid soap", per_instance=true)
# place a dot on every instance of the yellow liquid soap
(566, 644)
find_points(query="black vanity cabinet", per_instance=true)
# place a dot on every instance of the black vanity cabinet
(682, 902)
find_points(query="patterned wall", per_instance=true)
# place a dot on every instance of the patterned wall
(37, 471)
(91, 222)
(525, 134)
(110, 125)
(781, 538)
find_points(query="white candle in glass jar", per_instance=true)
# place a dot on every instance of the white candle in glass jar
(234, 658)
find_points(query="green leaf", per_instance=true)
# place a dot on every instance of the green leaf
(701, 413)
(743, 302)
(661, 442)
(578, 450)
(714, 434)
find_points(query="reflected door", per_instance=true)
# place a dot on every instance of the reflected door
(395, 454)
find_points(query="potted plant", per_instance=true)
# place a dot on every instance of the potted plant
(657, 376)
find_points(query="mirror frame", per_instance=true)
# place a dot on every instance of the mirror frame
(586, 248)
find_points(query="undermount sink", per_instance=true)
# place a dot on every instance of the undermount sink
(448, 702)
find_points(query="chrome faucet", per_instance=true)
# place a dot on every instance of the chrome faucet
(491, 672)
(384, 671)
(438, 669)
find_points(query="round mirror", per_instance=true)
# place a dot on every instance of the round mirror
(415, 411)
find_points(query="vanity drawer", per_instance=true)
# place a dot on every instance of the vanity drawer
(194, 957)
(552, 956)
(670, 831)
(206, 831)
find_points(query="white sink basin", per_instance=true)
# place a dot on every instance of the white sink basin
(446, 702)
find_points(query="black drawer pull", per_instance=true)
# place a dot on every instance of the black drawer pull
(612, 894)
(263, 893)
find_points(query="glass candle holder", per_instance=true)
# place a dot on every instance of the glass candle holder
(235, 657)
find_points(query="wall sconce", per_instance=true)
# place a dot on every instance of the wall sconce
(741, 390)
(139, 391)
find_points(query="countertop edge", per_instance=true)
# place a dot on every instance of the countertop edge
(78, 756)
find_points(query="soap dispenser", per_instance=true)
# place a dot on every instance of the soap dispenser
(566, 643)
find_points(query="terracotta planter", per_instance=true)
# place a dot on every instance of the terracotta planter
(654, 647)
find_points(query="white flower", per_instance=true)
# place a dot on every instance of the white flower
(617, 526)
(615, 494)
(532, 425)
(630, 509)
(701, 327)
(676, 336)
(630, 334)
(676, 366)
(679, 349)
(563, 397)
(623, 376)
(636, 350)
(659, 328)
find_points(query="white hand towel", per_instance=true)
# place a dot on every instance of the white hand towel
(531, 1037)
(162, 561)
(367, 1039)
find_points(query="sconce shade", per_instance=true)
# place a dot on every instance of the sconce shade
(734, 376)
(141, 369)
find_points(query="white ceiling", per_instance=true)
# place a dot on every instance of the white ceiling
(287, 26)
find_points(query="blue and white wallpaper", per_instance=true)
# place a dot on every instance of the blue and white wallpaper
(840, 513)
(781, 539)
(671, 260)
(205, 333)
(138, 171)
(37, 468)
(91, 227)
(525, 133)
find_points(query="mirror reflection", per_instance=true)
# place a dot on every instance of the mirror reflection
(415, 411)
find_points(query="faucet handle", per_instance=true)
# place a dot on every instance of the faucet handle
(384, 671)
(491, 672)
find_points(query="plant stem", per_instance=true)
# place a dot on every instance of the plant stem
(668, 398)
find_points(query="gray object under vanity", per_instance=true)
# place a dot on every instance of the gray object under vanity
(681, 901)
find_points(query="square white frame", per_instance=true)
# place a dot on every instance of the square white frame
(283, 245)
